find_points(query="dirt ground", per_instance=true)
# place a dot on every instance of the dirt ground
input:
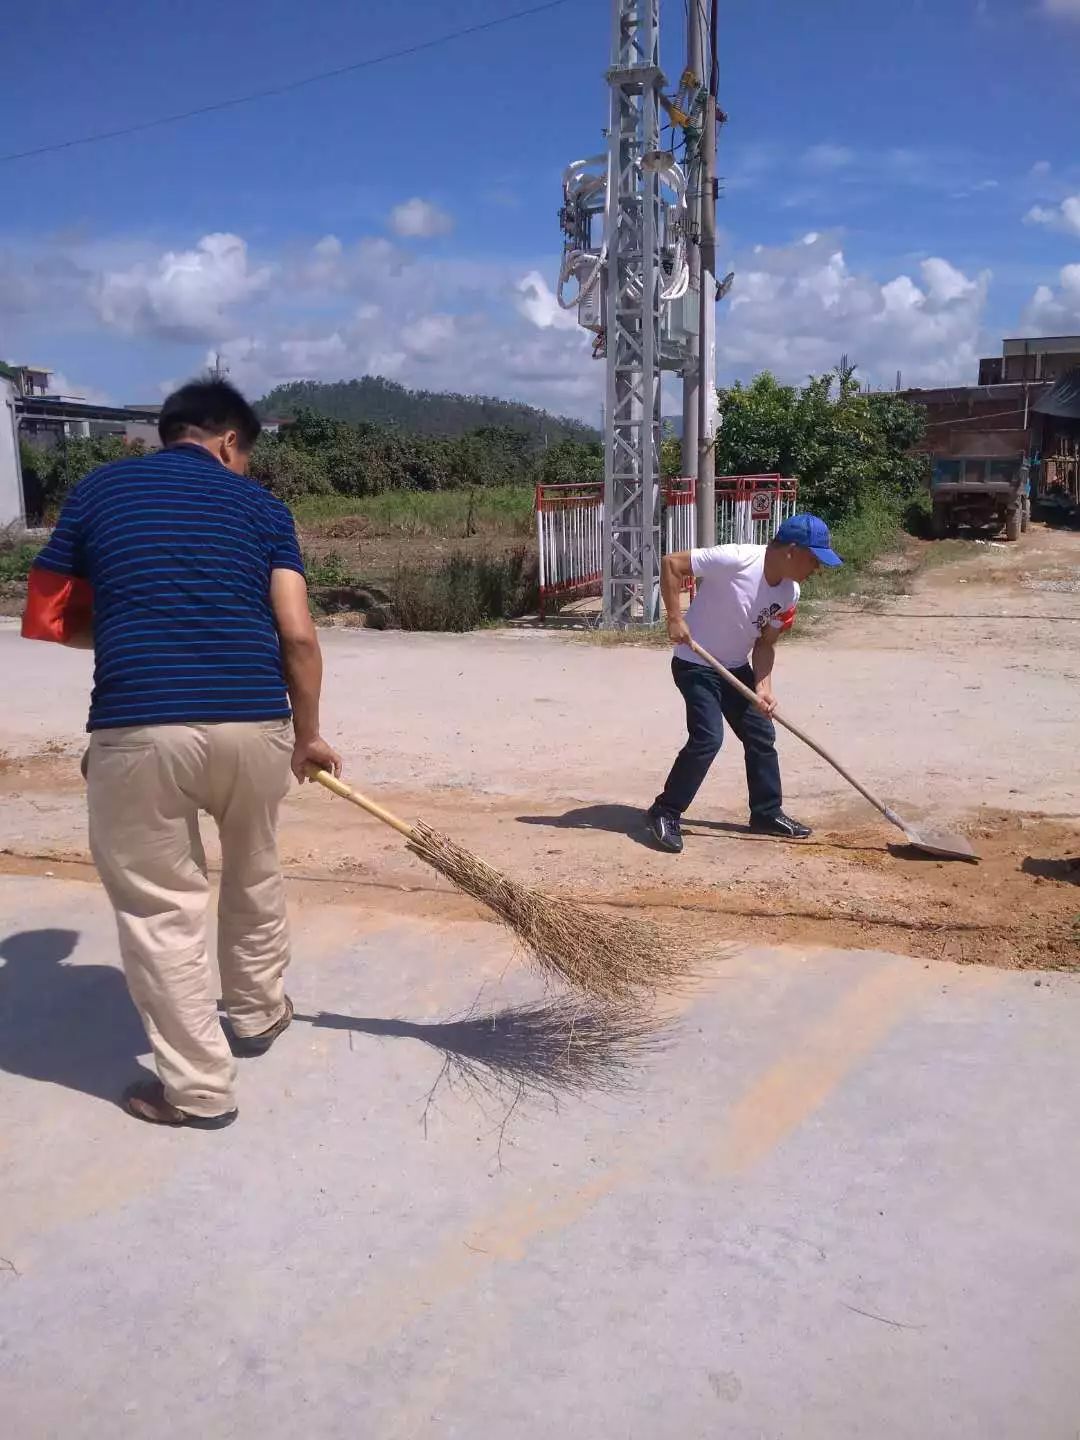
(539, 751)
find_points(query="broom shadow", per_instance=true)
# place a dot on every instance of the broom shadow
(544, 1049)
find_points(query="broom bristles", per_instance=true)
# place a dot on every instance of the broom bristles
(611, 957)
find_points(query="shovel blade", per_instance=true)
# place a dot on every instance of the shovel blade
(939, 842)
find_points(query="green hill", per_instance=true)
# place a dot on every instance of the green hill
(418, 412)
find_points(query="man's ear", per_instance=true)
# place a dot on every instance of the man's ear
(229, 450)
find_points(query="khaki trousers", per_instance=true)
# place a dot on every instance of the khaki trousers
(146, 787)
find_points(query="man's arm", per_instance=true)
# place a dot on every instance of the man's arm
(59, 608)
(59, 598)
(302, 662)
(762, 660)
(675, 570)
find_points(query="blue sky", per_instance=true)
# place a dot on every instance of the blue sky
(901, 184)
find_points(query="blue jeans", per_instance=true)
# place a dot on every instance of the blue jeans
(710, 701)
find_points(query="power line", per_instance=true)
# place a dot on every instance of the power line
(285, 88)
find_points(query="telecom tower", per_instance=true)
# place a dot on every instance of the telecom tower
(630, 280)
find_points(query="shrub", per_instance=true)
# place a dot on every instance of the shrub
(464, 592)
(16, 557)
(287, 471)
(327, 570)
(48, 474)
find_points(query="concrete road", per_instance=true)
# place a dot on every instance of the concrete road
(842, 1202)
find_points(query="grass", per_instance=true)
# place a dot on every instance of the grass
(16, 558)
(862, 541)
(654, 636)
(503, 509)
(328, 571)
(465, 591)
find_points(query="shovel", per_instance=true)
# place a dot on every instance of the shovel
(922, 837)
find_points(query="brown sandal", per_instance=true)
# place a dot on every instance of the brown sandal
(146, 1101)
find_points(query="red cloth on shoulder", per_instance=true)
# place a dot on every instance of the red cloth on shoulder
(58, 607)
(785, 620)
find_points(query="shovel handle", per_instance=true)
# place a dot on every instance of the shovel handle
(338, 787)
(748, 694)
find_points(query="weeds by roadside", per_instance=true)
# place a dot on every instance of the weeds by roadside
(650, 636)
(465, 592)
(16, 557)
(505, 510)
(328, 570)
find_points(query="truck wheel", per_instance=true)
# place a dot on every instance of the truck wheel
(1025, 516)
(1013, 524)
(939, 522)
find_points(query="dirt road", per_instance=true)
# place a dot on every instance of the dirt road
(540, 751)
(835, 1199)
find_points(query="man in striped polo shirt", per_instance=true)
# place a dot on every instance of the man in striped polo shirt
(201, 635)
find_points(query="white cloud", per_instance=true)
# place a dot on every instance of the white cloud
(418, 219)
(1056, 311)
(1041, 167)
(796, 309)
(1068, 8)
(979, 187)
(537, 303)
(60, 385)
(346, 307)
(184, 295)
(334, 267)
(828, 157)
(486, 327)
(1065, 216)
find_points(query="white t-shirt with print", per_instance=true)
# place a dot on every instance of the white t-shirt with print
(734, 603)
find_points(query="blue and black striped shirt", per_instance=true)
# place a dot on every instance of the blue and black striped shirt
(179, 551)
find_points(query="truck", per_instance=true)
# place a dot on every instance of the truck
(980, 492)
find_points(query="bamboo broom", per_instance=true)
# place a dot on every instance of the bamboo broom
(610, 957)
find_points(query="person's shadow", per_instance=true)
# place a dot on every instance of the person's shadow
(71, 1025)
(617, 819)
(1053, 868)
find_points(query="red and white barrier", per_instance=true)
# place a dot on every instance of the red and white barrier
(570, 536)
(570, 525)
(680, 515)
(751, 508)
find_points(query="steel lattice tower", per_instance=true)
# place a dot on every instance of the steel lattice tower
(632, 320)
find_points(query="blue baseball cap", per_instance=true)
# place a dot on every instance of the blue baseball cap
(809, 533)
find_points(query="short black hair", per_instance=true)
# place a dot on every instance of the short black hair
(212, 406)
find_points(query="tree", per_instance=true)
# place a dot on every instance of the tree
(847, 447)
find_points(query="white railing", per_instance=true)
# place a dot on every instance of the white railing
(680, 515)
(570, 536)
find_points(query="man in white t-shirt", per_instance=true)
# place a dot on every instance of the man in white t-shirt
(746, 599)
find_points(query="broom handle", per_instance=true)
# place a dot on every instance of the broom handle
(748, 694)
(338, 787)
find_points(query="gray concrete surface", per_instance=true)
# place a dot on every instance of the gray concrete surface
(842, 1203)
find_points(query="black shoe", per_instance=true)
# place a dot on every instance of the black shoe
(780, 825)
(665, 830)
(248, 1045)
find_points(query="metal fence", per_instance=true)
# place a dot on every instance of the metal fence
(750, 508)
(570, 536)
(570, 526)
(680, 516)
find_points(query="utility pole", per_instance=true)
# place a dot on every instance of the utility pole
(695, 71)
(706, 471)
(632, 281)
